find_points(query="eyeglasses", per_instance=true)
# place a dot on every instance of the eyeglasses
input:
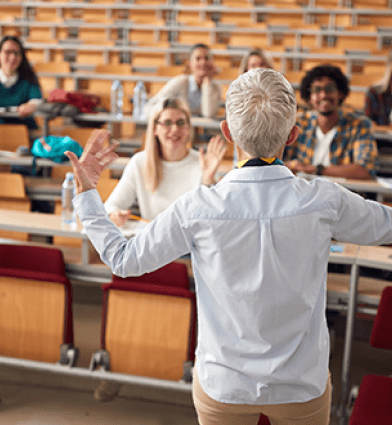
(12, 52)
(327, 89)
(168, 123)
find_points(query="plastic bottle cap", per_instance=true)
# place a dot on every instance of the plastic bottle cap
(69, 175)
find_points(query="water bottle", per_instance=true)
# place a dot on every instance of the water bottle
(68, 191)
(117, 99)
(139, 100)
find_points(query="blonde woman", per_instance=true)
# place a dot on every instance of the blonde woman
(257, 58)
(378, 99)
(167, 168)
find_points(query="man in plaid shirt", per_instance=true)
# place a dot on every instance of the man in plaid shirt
(332, 142)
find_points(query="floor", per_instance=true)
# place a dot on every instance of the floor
(44, 398)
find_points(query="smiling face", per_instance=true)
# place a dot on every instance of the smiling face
(324, 96)
(10, 57)
(256, 61)
(200, 63)
(172, 129)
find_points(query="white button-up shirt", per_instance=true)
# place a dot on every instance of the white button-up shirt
(259, 242)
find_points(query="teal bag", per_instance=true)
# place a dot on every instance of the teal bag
(53, 147)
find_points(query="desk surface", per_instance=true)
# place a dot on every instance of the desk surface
(37, 223)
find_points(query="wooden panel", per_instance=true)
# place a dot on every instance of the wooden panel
(189, 37)
(12, 136)
(12, 186)
(248, 40)
(31, 319)
(120, 69)
(147, 334)
(148, 59)
(50, 83)
(13, 197)
(355, 100)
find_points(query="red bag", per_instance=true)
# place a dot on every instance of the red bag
(86, 103)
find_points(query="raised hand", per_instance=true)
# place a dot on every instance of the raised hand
(94, 160)
(209, 161)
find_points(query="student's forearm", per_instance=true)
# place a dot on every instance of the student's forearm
(349, 171)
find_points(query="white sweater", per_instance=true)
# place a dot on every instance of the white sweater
(179, 177)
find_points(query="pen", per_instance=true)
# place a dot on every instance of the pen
(136, 217)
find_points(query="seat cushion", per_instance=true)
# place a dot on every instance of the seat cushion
(373, 404)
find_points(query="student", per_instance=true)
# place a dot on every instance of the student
(257, 58)
(259, 242)
(331, 142)
(378, 99)
(19, 86)
(167, 168)
(199, 90)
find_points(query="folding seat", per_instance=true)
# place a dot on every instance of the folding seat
(13, 197)
(149, 325)
(373, 404)
(36, 320)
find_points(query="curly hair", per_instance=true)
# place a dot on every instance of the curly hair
(330, 71)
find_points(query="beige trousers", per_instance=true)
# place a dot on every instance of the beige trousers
(211, 412)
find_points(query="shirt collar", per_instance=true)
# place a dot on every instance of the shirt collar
(259, 162)
(8, 81)
(257, 174)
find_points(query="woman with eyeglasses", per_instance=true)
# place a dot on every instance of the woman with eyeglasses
(19, 87)
(167, 168)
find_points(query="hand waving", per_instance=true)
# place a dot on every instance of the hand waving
(209, 161)
(94, 160)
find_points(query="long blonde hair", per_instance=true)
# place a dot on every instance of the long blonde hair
(383, 85)
(153, 172)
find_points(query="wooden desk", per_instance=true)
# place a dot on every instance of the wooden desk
(42, 224)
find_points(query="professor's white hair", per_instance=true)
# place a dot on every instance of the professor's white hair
(261, 111)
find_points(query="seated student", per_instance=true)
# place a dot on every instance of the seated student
(378, 99)
(167, 167)
(331, 142)
(19, 86)
(257, 58)
(260, 274)
(198, 89)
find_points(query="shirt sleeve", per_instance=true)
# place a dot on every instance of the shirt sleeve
(34, 92)
(162, 241)
(362, 221)
(174, 88)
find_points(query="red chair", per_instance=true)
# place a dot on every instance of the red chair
(374, 402)
(149, 325)
(263, 420)
(36, 320)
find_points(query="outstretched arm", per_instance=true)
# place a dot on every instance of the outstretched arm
(94, 160)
